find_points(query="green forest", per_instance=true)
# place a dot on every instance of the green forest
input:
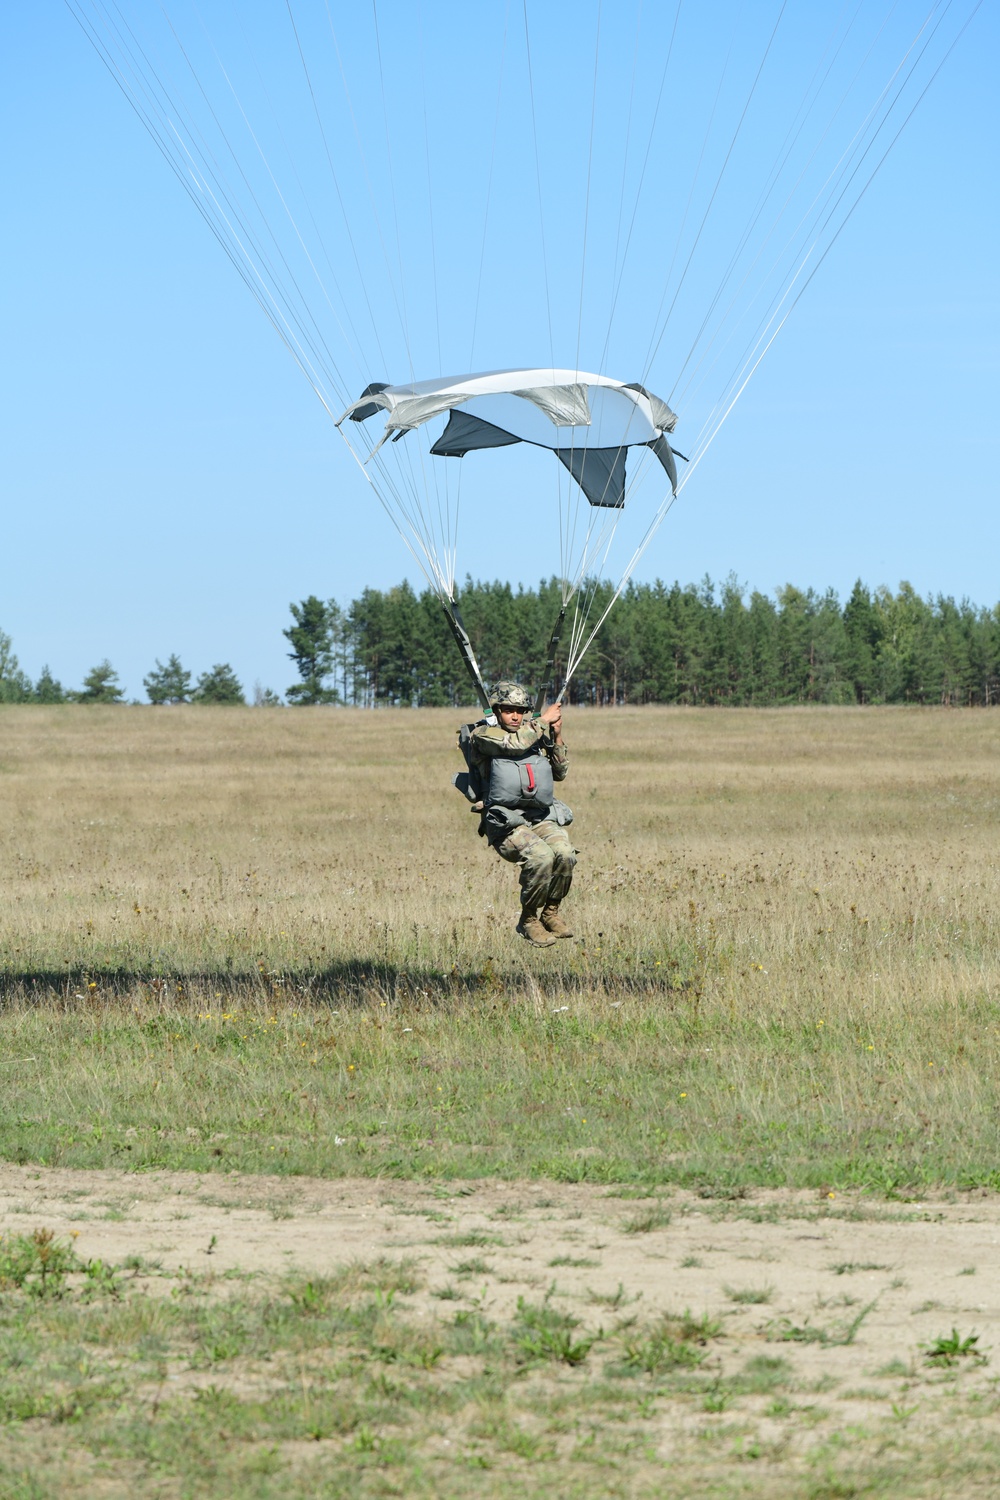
(694, 644)
(702, 644)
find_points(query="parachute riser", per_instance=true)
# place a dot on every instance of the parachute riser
(550, 661)
(464, 645)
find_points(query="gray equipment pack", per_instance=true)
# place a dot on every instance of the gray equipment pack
(523, 782)
(516, 790)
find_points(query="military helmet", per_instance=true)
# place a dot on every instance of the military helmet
(509, 695)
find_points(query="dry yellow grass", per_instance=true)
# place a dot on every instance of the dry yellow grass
(786, 967)
(832, 846)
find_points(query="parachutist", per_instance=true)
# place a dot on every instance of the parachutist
(514, 763)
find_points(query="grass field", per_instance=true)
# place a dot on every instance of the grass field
(229, 938)
(269, 942)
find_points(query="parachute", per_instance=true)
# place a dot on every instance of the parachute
(615, 201)
(589, 422)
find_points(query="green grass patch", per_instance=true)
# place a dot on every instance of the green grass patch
(130, 1084)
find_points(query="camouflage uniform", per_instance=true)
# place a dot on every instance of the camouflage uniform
(542, 850)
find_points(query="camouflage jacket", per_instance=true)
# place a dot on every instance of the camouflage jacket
(489, 740)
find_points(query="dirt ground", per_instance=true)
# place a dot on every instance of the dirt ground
(809, 1260)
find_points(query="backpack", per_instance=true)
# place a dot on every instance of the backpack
(472, 784)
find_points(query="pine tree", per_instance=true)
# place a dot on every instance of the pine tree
(220, 685)
(168, 684)
(863, 631)
(312, 651)
(763, 632)
(828, 648)
(15, 686)
(100, 685)
(48, 690)
(796, 643)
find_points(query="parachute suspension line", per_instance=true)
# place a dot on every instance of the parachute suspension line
(576, 657)
(624, 177)
(451, 530)
(461, 635)
(767, 337)
(595, 558)
(690, 200)
(446, 549)
(835, 177)
(392, 189)
(430, 195)
(725, 317)
(619, 270)
(548, 670)
(353, 342)
(407, 514)
(489, 186)
(749, 372)
(596, 563)
(590, 169)
(371, 197)
(139, 88)
(718, 183)
(315, 341)
(789, 278)
(426, 527)
(574, 501)
(595, 549)
(417, 519)
(336, 185)
(421, 529)
(411, 540)
(538, 183)
(777, 167)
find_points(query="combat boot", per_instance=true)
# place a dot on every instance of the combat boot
(553, 922)
(531, 928)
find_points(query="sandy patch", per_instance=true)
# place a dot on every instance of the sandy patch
(814, 1261)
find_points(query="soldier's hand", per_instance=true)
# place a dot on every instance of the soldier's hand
(552, 717)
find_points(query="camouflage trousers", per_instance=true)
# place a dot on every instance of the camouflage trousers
(546, 858)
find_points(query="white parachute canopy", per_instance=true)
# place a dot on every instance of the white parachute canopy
(589, 422)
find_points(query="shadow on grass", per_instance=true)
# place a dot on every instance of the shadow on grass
(355, 981)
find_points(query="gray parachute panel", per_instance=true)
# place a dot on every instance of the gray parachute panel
(464, 433)
(665, 454)
(600, 473)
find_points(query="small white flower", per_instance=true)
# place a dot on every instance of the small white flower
(560, 1008)
(340, 1140)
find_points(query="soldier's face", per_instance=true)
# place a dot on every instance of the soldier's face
(510, 718)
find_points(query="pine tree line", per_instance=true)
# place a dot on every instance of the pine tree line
(695, 644)
(165, 684)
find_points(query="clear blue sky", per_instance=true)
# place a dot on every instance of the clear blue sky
(171, 482)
